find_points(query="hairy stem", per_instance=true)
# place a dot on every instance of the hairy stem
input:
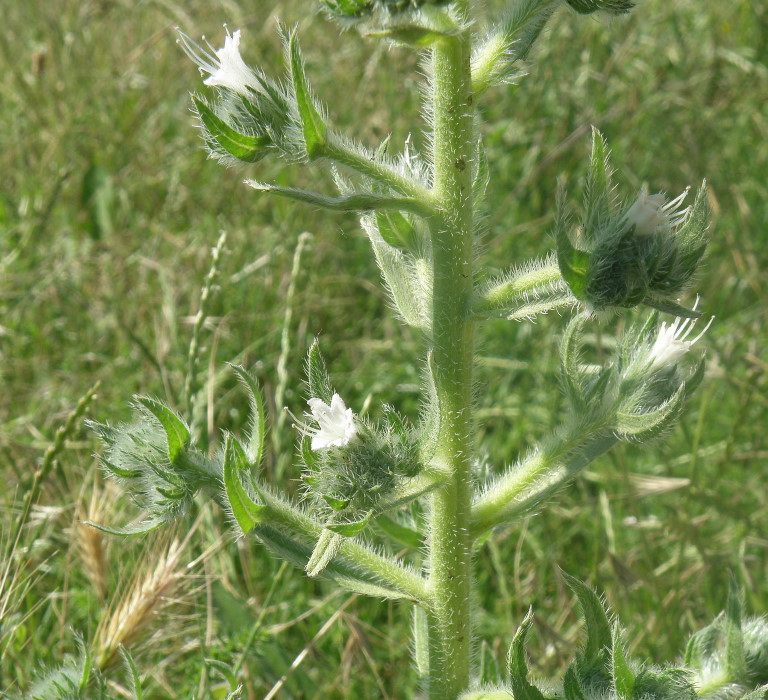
(455, 152)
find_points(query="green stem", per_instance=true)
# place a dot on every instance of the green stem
(455, 158)
(336, 150)
(504, 292)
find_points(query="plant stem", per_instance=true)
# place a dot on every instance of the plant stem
(455, 151)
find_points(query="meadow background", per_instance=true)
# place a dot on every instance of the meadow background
(108, 213)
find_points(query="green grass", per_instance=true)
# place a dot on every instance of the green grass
(108, 211)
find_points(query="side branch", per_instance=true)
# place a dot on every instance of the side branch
(409, 582)
(526, 485)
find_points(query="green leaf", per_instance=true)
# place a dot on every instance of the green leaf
(400, 533)
(406, 277)
(411, 34)
(596, 651)
(587, 7)
(395, 229)
(350, 529)
(517, 666)
(570, 359)
(117, 471)
(244, 147)
(670, 307)
(623, 678)
(255, 446)
(318, 381)
(495, 61)
(760, 693)
(246, 512)
(482, 175)
(225, 670)
(735, 656)
(308, 456)
(644, 426)
(334, 503)
(703, 644)
(421, 641)
(571, 686)
(134, 673)
(356, 201)
(312, 124)
(598, 187)
(176, 430)
(572, 262)
(409, 490)
(488, 670)
(693, 381)
(138, 529)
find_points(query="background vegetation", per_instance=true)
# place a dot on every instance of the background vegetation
(108, 212)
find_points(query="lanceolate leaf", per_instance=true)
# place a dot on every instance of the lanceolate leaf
(596, 652)
(586, 7)
(646, 425)
(571, 686)
(571, 261)
(176, 430)
(350, 529)
(400, 533)
(244, 147)
(623, 678)
(760, 693)
(319, 383)
(334, 503)
(138, 529)
(517, 665)
(255, 445)
(357, 201)
(395, 229)
(312, 124)
(735, 658)
(246, 512)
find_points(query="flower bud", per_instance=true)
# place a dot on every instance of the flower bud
(622, 256)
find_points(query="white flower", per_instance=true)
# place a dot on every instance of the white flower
(650, 213)
(225, 67)
(672, 341)
(336, 423)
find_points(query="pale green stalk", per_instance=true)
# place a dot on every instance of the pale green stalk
(455, 158)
